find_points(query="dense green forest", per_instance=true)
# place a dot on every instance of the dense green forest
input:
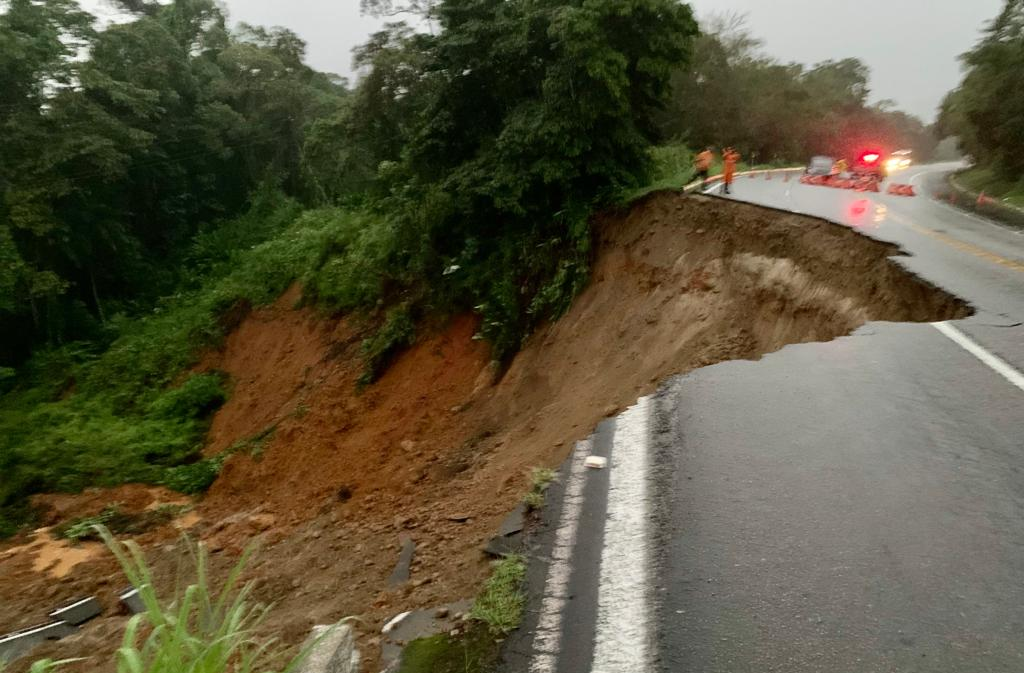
(986, 112)
(164, 175)
(733, 94)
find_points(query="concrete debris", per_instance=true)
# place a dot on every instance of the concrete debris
(332, 649)
(78, 612)
(131, 600)
(596, 462)
(514, 522)
(400, 575)
(504, 545)
(13, 645)
(420, 624)
(395, 621)
(510, 534)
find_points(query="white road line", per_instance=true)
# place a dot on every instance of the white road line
(547, 640)
(994, 362)
(623, 630)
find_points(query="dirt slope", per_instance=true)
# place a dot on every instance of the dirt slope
(678, 283)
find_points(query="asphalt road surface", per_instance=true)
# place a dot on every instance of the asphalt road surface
(852, 506)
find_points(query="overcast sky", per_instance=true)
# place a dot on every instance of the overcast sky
(910, 45)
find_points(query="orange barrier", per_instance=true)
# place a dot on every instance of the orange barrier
(901, 190)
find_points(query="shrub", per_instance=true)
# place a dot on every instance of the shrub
(397, 332)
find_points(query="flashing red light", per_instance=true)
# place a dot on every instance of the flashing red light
(870, 157)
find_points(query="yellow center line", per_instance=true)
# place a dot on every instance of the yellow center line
(969, 248)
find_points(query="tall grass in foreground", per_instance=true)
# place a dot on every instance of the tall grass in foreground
(200, 630)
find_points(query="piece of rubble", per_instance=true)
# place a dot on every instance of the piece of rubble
(13, 645)
(514, 521)
(395, 621)
(596, 462)
(400, 575)
(331, 649)
(510, 534)
(131, 599)
(77, 612)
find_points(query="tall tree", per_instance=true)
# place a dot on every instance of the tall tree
(987, 111)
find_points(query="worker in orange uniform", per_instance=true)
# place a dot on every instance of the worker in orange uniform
(702, 164)
(731, 157)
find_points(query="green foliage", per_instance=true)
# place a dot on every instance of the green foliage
(475, 651)
(540, 479)
(113, 162)
(194, 478)
(199, 629)
(396, 333)
(501, 603)
(733, 95)
(987, 111)
(76, 418)
(989, 181)
(43, 665)
(199, 396)
(521, 119)
(157, 216)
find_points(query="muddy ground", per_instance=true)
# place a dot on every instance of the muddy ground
(443, 445)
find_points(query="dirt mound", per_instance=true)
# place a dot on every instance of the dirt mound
(332, 477)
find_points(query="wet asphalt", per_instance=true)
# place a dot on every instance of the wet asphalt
(851, 506)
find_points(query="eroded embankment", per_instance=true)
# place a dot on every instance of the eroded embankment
(441, 447)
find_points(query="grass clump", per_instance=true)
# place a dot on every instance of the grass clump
(540, 479)
(501, 604)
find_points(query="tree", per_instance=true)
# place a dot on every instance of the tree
(535, 112)
(732, 94)
(119, 144)
(987, 111)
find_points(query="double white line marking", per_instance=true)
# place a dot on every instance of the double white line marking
(623, 641)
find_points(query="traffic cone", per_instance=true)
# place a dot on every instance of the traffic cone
(892, 189)
(910, 191)
(981, 199)
(873, 186)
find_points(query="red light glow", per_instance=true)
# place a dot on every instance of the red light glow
(870, 157)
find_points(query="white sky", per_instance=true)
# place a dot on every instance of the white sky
(910, 45)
